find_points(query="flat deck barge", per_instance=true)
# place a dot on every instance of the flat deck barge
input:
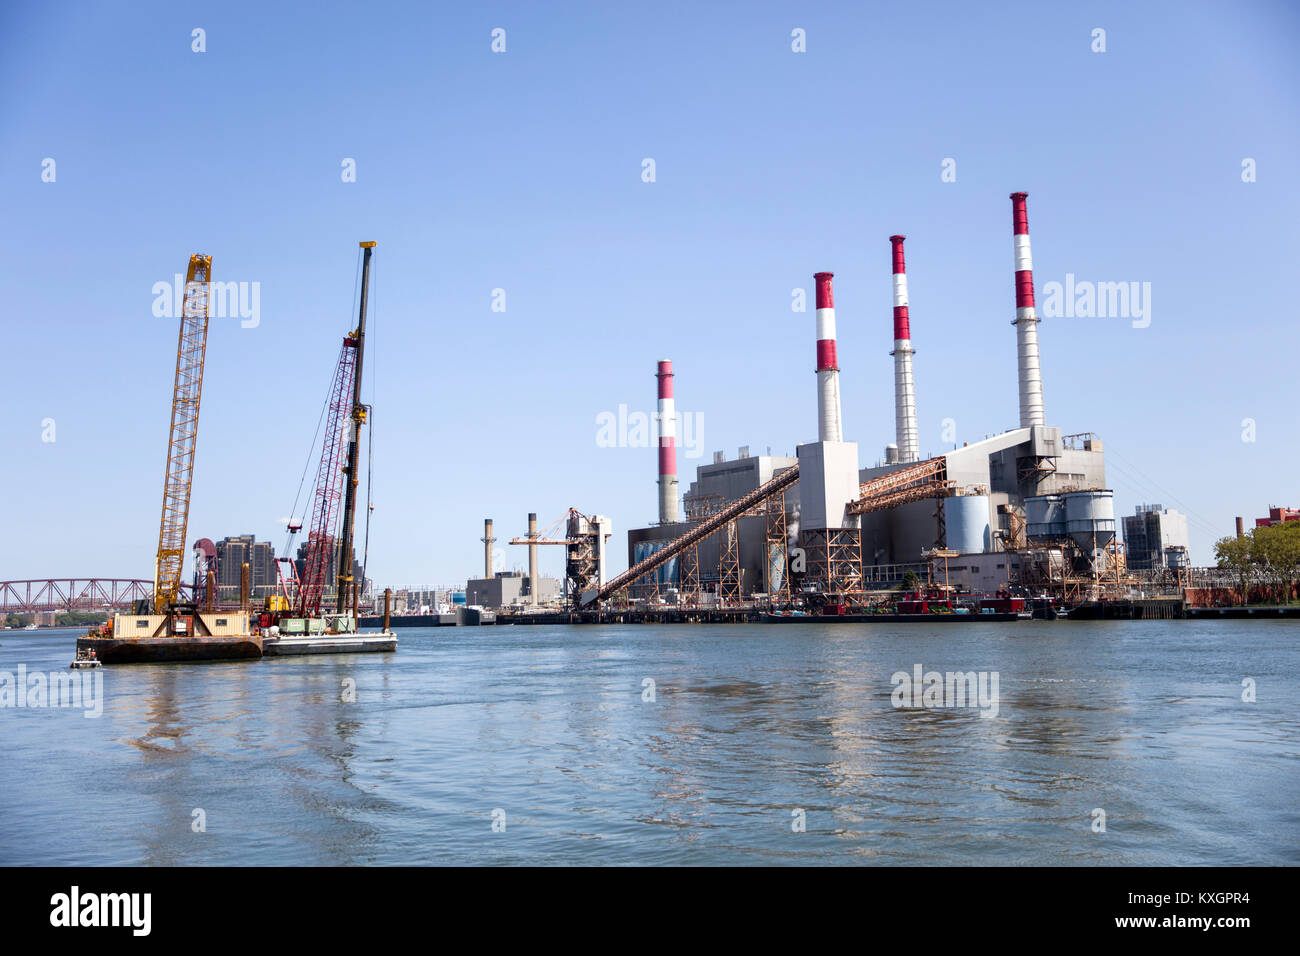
(171, 650)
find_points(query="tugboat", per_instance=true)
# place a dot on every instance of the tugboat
(1043, 608)
(85, 660)
(1003, 602)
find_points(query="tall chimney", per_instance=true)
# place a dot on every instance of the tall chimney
(829, 426)
(1241, 528)
(904, 388)
(1031, 376)
(487, 547)
(668, 512)
(532, 558)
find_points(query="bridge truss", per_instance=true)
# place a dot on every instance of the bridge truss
(75, 594)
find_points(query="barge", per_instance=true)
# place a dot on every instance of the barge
(197, 636)
(168, 630)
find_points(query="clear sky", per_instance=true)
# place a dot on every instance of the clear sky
(522, 171)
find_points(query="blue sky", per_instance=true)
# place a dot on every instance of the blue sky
(522, 171)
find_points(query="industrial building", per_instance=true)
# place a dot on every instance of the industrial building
(856, 529)
(715, 485)
(509, 589)
(585, 540)
(1155, 538)
(1278, 515)
(425, 599)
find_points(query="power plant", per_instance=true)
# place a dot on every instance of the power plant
(1021, 515)
(821, 529)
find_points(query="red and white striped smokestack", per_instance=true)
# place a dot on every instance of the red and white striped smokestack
(904, 389)
(668, 513)
(1030, 373)
(829, 426)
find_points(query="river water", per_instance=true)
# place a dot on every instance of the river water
(763, 744)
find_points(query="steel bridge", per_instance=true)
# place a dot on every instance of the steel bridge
(75, 594)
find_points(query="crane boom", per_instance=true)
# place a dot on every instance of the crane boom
(321, 542)
(186, 392)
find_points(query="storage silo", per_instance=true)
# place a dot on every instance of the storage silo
(966, 518)
(1090, 518)
(1045, 517)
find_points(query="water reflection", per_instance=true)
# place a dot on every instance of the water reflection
(747, 725)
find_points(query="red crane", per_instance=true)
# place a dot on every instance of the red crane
(329, 486)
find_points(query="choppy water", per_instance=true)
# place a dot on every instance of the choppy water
(750, 722)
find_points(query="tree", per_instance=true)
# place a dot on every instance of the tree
(1275, 549)
(1234, 552)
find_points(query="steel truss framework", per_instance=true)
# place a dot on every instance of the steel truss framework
(729, 562)
(926, 479)
(321, 541)
(76, 594)
(187, 392)
(695, 535)
(834, 555)
(581, 568)
(835, 564)
(776, 566)
(689, 574)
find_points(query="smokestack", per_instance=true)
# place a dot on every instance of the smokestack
(904, 389)
(829, 426)
(668, 513)
(532, 558)
(1031, 376)
(1241, 528)
(487, 547)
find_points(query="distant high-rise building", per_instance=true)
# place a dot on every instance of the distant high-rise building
(1155, 538)
(233, 552)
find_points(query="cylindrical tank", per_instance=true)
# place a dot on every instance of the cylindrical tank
(966, 518)
(891, 454)
(1045, 517)
(1090, 517)
(775, 566)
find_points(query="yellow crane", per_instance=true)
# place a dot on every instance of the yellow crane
(186, 393)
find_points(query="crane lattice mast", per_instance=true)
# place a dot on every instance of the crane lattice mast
(320, 538)
(186, 393)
